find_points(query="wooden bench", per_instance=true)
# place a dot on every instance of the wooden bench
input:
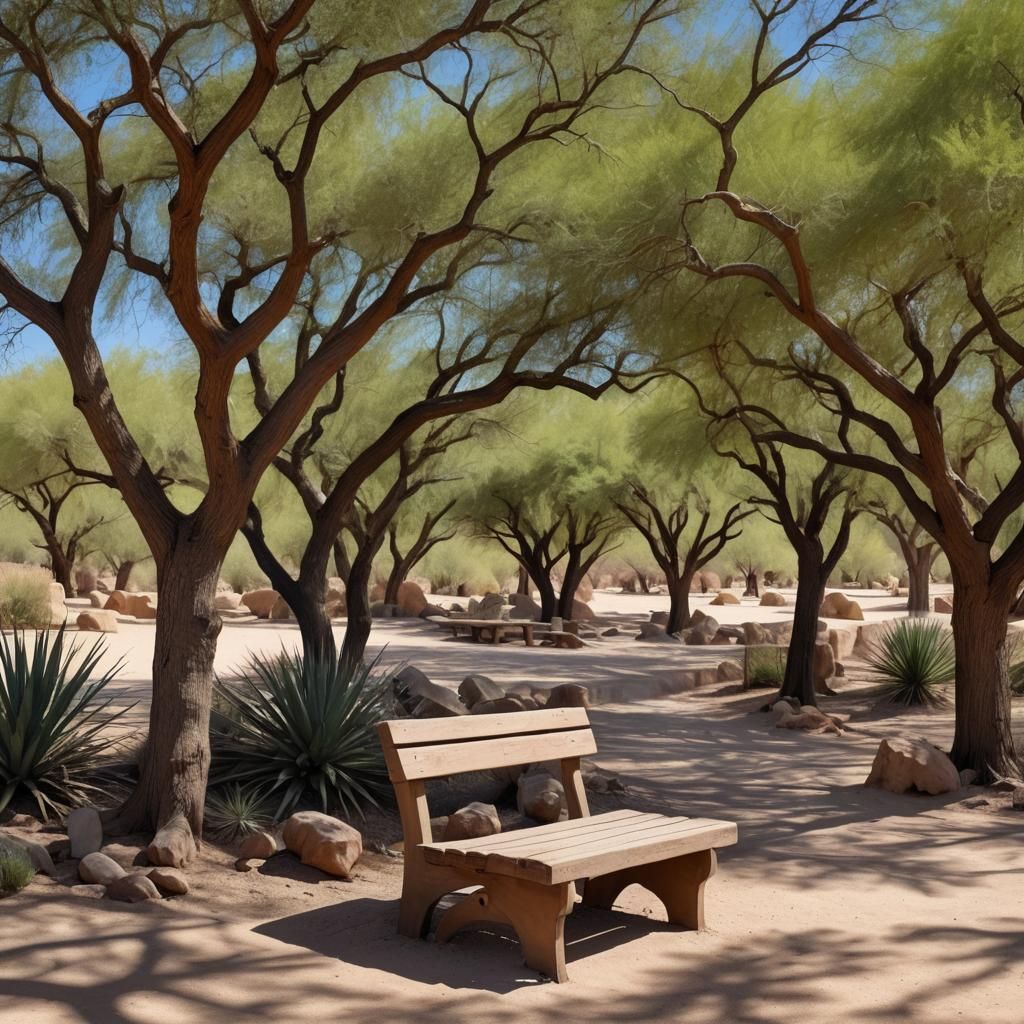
(496, 628)
(529, 878)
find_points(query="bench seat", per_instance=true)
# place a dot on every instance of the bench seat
(580, 848)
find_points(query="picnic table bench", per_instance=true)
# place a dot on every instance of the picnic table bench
(528, 879)
(496, 627)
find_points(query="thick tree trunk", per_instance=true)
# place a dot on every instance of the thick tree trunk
(523, 585)
(983, 738)
(359, 621)
(175, 762)
(124, 575)
(567, 593)
(62, 567)
(679, 608)
(751, 588)
(315, 628)
(798, 681)
(641, 581)
(395, 579)
(919, 571)
(546, 590)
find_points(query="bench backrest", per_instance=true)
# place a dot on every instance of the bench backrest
(431, 748)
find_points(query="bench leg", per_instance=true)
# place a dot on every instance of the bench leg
(678, 883)
(420, 894)
(536, 913)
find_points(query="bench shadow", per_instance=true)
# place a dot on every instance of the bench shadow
(362, 933)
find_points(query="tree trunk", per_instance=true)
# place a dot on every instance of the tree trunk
(523, 586)
(983, 738)
(751, 590)
(641, 580)
(570, 584)
(175, 761)
(919, 570)
(124, 575)
(61, 567)
(360, 621)
(546, 590)
(395, 579)
(798, 681)
(679, 609)
(315, 628)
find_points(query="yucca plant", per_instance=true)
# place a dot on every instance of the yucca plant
(303, 729)
(16, 870)
(913, 657)
(235, 811)
(50, 720)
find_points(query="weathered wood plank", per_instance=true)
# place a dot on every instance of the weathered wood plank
(402, 732)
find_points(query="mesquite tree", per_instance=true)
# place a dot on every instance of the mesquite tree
(679, 553)
(258, 91)
(917, 546)
(408, 551)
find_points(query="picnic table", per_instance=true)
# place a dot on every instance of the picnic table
(496, 628)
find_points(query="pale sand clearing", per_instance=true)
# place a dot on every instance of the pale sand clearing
(840, 904)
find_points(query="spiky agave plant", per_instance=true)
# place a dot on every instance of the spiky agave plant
(51, 716)
(235, 811)
(304, 729)
(913, 657)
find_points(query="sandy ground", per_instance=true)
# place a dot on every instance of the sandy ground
(840, 904)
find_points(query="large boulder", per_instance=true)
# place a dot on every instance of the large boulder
(426, 699)
(541, 797)
(659, 618)
(476, 688)
(142, 606)
(582, 612)
(823, 668)
(97, 599)
(649, 630)
(524, 607)
(905, 763)
(227, 601)
(724, 597)
(174, 845)
(568, 695)
(323, 842)
(117, 601)
(943, 606)
(134, 888)
(807, 719)
(169, 881)
(281, 611)
(709, 581)
(697, 637)
(261, 845)
(730, 671)
(490, 606)
(85, 831)
(97, 621)
(261, 602)
(58, 609)
(755, 635)
(99, 869)
(769, 599)
(505, 705)
(837, 605)
(472, 822)
(707, 624)
(411, 598)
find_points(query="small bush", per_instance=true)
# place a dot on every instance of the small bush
(50, 718)
(24, 597)
(913, 657)
(16, 869)
(234, 812)
(304, 731)
(765, 667)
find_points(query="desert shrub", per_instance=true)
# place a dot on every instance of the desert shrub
(235, 811)
(913, 657)
(16, 869)
(765, 666)
(24, 597)
(50, 720)
(304, 730)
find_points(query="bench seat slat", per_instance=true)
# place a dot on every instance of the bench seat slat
(572, 856)
(403, 732)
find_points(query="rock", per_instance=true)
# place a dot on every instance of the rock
(490, 606)
(142, 606)
(476, 688)
(769, 599)
(968, 777)
(838, 606)
(323, 842)
(523, 607)
(85, 830)
(568, 695)
(260, 845)
(169, 881)
(582, 612)
(905, 763)
(126, 856)
(281, 610)
(440, 702)
(649, 630)
(99, 868)
(58, 609)
(472, 822)
(36, 852)
(823, 667)
(542, 798)
(724, 597)
(943, 606)
(530, 703)
(502, 706)
(174, 845)
(117, 602)
(611, 631)
(261, 602)
(710, 581)
(565, 641)
(247, 864)
(807, 719)
(659, 618)
(599, 780)
(97, 599)
(90, 892)
(226, 602)
(539, 697)
(729, 671)
(134, 888)
(707, 624)
(429, 611)
(697, 637)
(1017, 800)
(411, 598)
(755, 635)
(97, 621)
(722, 638)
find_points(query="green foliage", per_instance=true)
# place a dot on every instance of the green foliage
(304, 730)
(236, 811)
(765, 666)
(16, 869)
(24, 597)
(913, 657)
(51, 717)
